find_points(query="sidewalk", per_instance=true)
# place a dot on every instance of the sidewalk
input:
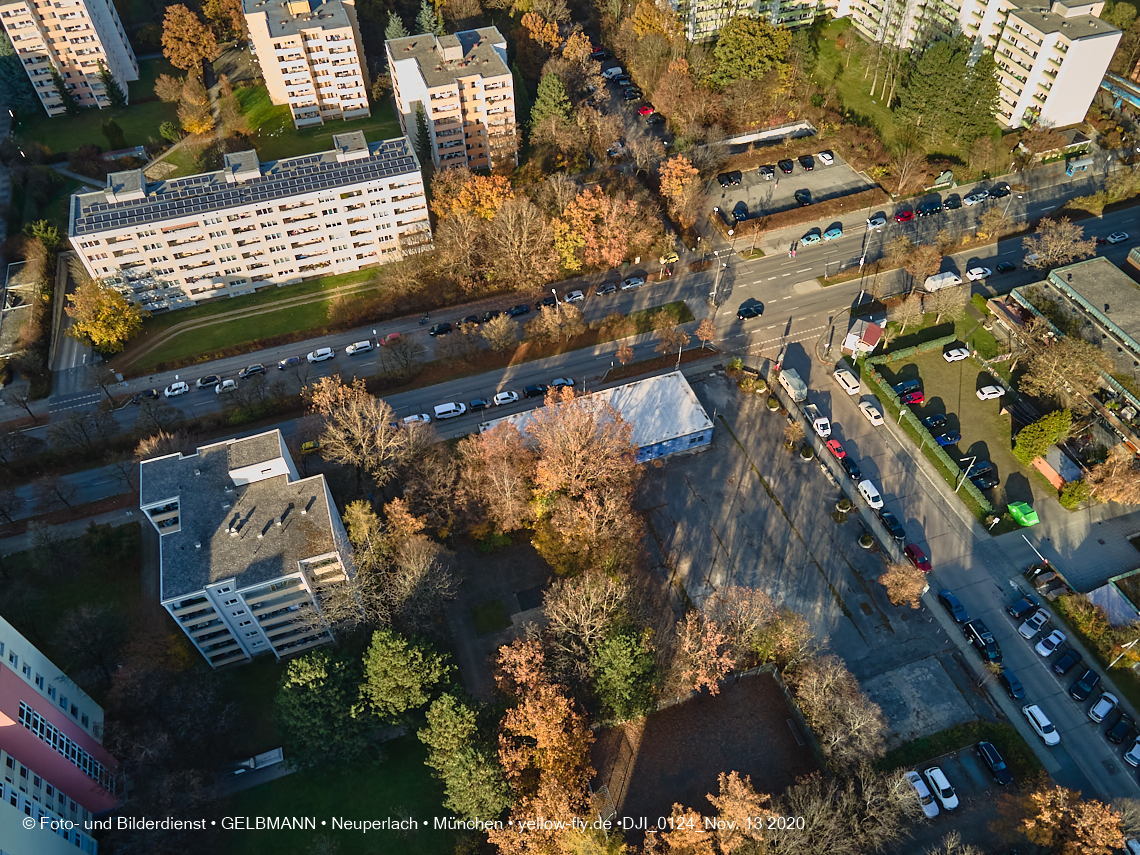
(68, 530)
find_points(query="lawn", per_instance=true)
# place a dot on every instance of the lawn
(57, 208)
(1023, 763)
(274, 136)
(399, 787)
(489, 617)
(845, 69)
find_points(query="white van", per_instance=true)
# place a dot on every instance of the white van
(942, 280)
(359, 347)
(450, 411)
(611, 73)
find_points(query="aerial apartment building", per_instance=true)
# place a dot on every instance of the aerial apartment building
(466, 90)
(248, 225)
(52, 759)
(309, 52)
(72, 37)
(245, 547)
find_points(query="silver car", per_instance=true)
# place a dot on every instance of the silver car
(632, 282)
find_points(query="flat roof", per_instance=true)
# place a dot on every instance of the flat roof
(203, 550)
(1045, 21)
(469, 52)
(211, 191)
(658, 409)
(292, 17)
(1105, 292)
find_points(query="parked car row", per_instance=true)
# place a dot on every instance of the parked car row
(938, 205)
(454, 409)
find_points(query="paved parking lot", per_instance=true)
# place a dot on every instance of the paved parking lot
(767, 196)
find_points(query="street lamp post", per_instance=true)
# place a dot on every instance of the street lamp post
(716, 282)
(965, 470)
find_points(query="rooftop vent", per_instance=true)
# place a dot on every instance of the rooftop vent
(281, 519)
(197, 544)
(229, 488)
(197, 471)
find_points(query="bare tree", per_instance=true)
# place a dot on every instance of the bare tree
(17, 445)
(670, 341)
(1064, 370)
(501, 332)
(907, 312)
(793, 435)
(11, 503)
(924, 261)
(624, 353)
(401, 355)
(905, 585)
(1118, 478)
(161, 444)
(83, 430)
(52, 491)
(497, 475)
(580, 612)
(706, 332)
(560, 322)
(20, 397)
(90, 637)
(1057, 242)
(849, 726)
(360, 430)
(947, 301)
(157, 416)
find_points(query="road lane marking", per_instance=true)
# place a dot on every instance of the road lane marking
(787, 274)
(805, 270)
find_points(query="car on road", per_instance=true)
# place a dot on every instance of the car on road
(358, 347)
(417, 419)
(1066, 663)
(655, 119)
(549, 301)
(1083, 687)
(983, 640)
(1032, 625)
(579, 296)
(803, 196)
(669, 258)
(1118, 237)
(935, 422)
(949, 438)
(519, 310)
(646, 110)
(1041, 724)
(851, 468)
(632, 282)
(953, 605)
(847, 380)
(1005, 267)
(952, 203)
(927, 209)
(1132, 756)
(988, 393)
(956, 354)
(807, 162)
(145, 395)
(755, 310)
(826, 158)
(786, 166)
(176, 389)
(607, 288)
(225, 386)
(535, 390)
(321, 354)
(394, 337)
(994, 763)
(505, 398)
(876, 222)
(1120, 729)
(811, 238)
(1105, 704)
(728, 179)
(1000, 191)
(834, 233)
(914, 399)
(631, 94)
(477, 404)
(940, 786)
(251, 370)
(1012, 685)
(871, 413)
(892, 525)
(288, 362)
(1049, 644)
(976, 274)
(562, 383)
(925, 799)
(870, 494)
(836, 448)
(917, 557)
(767, 172)
(976, 198)
(1019, 609)
(209, 380)
(740, 211)
(439, 329)
(904, 216)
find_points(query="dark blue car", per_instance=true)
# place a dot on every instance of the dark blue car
(948, 438)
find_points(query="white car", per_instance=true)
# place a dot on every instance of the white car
(225, 386)
(1048, 645)
(876, 222)
(321, 354)
(575, 297)
(867, 491)
(872, 415)
(1040, 723)
(848, 381)
(1033, 624)
(359, 347)
(929, 806)
(940, 786)
(976, 198)
(988, 393)
(175, 389)
(826, 158)
(505, 398)
(1118, 237)
(418, 419)
(1105, 704)
(1132, 757)
(976, 273)
(956, 354)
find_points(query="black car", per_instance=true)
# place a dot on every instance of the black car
(851, 468)
(479, 404)
(535, 391)
(740, 212)
(953, 605)
(654, 119)
(756, 310)
(1066, 663)
(892, 524)
(1081, 689)
(952, 203)
(1121, 729)
(1012, 685)
(490, 316)
(982, 639)
(549, 301)
(608, 288)
(146, 395)
(926, 209)
(907, 386)
(470, 319)
(993, 761)
(440, 329)
(786, 166)
(979, 467)
(250, 370)
(807, 162)
(631, 95)
(986, 481)
(803, 196)
(623, 80)
(521, 309)
(1000, 191)
(1022, 607)
(1005, 267)
(600, 54)
(935, 422)
(729, 179)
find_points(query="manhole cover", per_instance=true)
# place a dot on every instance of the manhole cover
(1111, 767)
(866, 607)
(1101, 542)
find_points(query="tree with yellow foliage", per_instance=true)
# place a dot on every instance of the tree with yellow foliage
(102, 316)
(680, 186)
(458, 191)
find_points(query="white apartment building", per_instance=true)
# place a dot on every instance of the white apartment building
(73, 37)
(467, 92)
(250, 225)
(245, 546)
(309, 52)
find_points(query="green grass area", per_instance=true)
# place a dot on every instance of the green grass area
(489, 617)
(184, 160)
(66, 133)
(399, 787)
(56, 210)
(253, 687)
(1022, 762)
(846, 70)
(275, 137)
(645, 320)
(143, 89)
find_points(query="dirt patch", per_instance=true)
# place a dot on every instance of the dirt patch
(676, 755)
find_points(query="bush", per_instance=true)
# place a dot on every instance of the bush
(496, 540)
(980, 304)
(1075, 493)
(5, 373)
(807, 452)
(1087, 619)
(772, 403)
(1033, 440)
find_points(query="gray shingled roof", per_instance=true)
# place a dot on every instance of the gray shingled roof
(478, 55)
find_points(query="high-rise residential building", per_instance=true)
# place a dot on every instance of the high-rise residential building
(73, 37)
(246, 546)
(310, 56)
(465, 88)
(55, 769)
(169, 243)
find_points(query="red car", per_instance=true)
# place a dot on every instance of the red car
(904, 216)
(645, 111)
(913, 399)
(836, 448)
(917, 557)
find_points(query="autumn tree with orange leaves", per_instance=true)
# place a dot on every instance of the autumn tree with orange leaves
(681, 187)
(703, 654)
(607, 226)
(1062, 823)
(498, 476)
(459, 191)
(737, 807)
